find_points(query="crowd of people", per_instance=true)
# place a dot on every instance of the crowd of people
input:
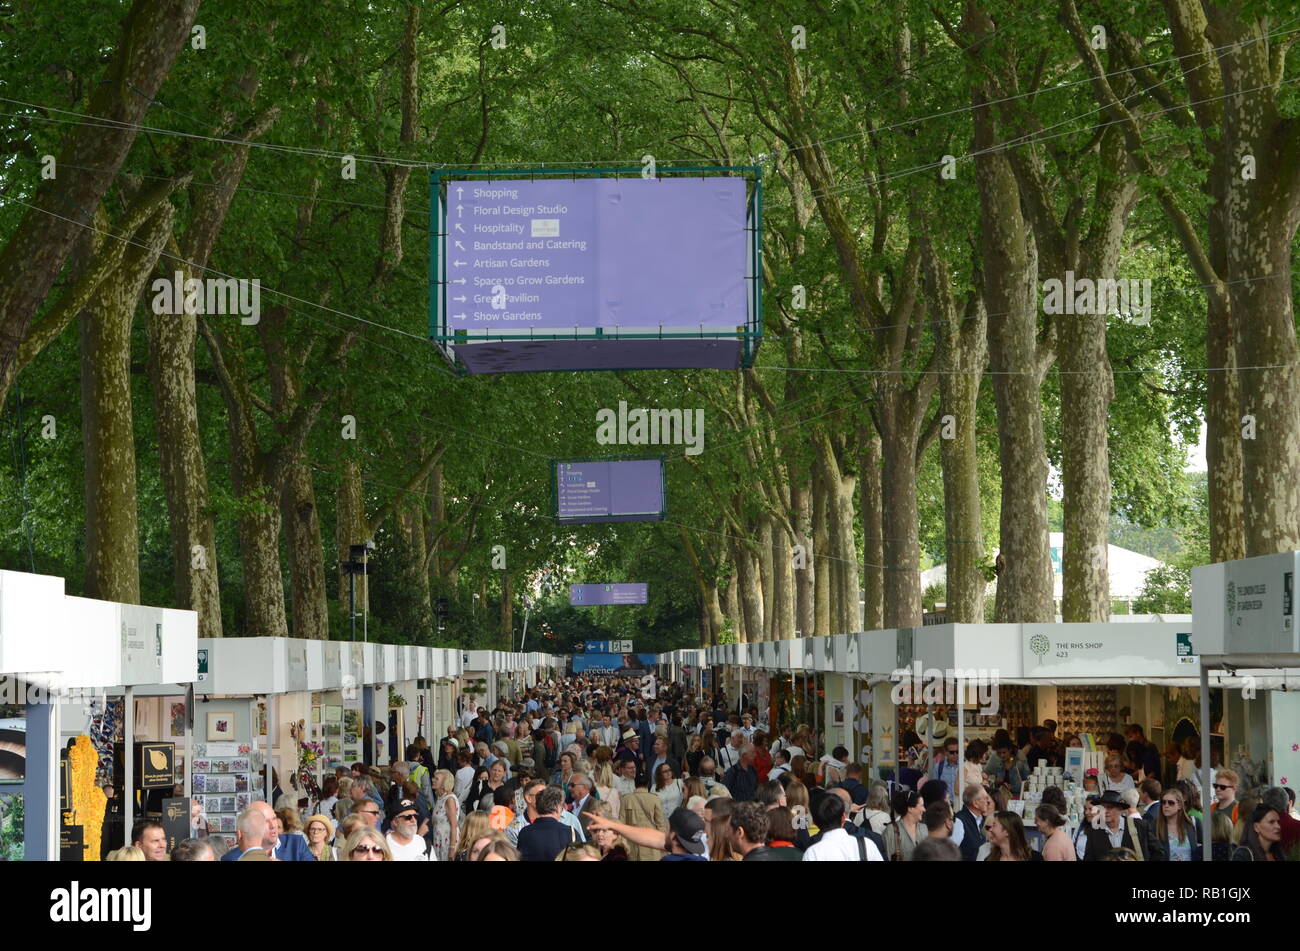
(589, 770)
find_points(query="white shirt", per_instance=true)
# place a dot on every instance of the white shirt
(469, 717)
(727, 757)
(464, 779)
(623, 785)
(413, 851)
(838, 846)
(607, 736)
(959, 829)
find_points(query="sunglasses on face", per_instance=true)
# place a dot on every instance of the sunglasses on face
(368, 850)
(1221, 786)
(1169, 802)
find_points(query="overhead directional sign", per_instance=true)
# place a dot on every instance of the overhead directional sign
(609, 490)
(596, 272)
(582, 595)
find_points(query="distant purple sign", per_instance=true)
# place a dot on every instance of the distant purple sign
(609, 490)
(628, 253)
(624, 592)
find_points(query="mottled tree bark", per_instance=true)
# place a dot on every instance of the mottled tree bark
(302, 541)
(821, 551)
(91, 154)
(805, 577)
(1010, 272)
(1263, 213)
(507, 613)
(900, 427)
(871, 506)
(112, 527)
(767, 532)
(963, 355)
(350, 529)
(782, 609)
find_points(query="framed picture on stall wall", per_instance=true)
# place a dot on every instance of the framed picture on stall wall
(837, 713)
(221, 726)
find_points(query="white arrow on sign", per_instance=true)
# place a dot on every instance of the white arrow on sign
(459, 263)
(459, 246)
(459, 209)
(460, 227)
(459, 191)
(460, 298)
(457, 316)
(459, 280)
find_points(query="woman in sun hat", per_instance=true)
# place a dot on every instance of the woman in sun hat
(320, 829)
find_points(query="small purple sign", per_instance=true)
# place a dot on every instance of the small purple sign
(623, 592)
(609, 490)
(626, 254)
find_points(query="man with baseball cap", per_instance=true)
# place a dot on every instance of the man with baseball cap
(403, 841)
(684, 841)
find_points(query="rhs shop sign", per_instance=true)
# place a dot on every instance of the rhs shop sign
(1106, 650)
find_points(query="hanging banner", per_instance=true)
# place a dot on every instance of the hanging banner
(608, 490)
(571, 269)
(589, 595)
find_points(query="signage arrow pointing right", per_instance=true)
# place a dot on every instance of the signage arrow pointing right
(457, 316)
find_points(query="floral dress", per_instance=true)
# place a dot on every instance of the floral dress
(442, 825)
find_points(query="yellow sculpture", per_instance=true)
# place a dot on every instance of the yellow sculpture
(88, 800)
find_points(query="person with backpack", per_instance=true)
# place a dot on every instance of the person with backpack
(835, 843)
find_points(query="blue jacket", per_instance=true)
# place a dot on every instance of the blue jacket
(290, 848)
(544, 839)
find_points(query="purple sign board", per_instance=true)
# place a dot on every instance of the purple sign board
(609, 490)
(625, 592)
(551, 273)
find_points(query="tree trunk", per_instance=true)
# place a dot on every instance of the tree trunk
(821, 551)
(112, 525)
(1010, 298)
(805, 577)
(259, 540)
(847, 594)
(88, 161)
(184, 472)
(349, 529)
(733, 602)
(507, 613)
(901, 522)
(412, 522)
(782, 610)
(963, 355)
(768, 531)
(1262, 217)
(1223, 442)
(749, 593)
(306, 555)
(871, 504)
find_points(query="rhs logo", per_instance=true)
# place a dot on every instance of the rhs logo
(1039, 644)
(1231, 599)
